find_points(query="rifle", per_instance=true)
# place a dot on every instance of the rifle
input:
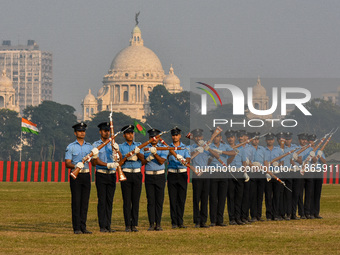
(312, 153)
(166, 148)
(217, 131)
(189, 136)
(129, 154)
(183, 162)
(247, 141)
(324, 145)
(115, 154)
(88, 157)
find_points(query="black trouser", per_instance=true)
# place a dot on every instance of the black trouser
(177, 188)
(217, 199)
(80, 191)
(106, 186)
(245, 200)
(309, 192)
(297, 198)
(131, 190)
(286, 199)
(256, 196)
(317, 196)
(154, 186)
(200, 196)
(273, 191)
(235, 193)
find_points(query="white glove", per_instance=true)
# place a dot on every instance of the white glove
(179, 157)
(201, 143)
(95, 152)
(237, 151)
(133, 158)
(206, 147)
(268, 177)
(153, 150)
(112, 165)
(79, 165)
(115, 146)
(320, 153)
(137, 150)
(275, 163)
(116, 156)
(312, 154)
(246, 177)
(218, 151)
(199, 149)
(295, 156)
(151, 157)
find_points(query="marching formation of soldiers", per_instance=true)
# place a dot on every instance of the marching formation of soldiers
(253, 173)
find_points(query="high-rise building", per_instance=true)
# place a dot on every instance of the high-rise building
(30, 71)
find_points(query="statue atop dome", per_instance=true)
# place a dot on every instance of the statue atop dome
(136, 18)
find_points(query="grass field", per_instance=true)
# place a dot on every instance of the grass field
(36, 219)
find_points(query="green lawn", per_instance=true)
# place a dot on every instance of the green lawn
(36, 219)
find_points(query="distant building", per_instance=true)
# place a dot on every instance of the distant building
(133, 74)
(30, 71)
(333, 97)
(260, 101)
(7, 94)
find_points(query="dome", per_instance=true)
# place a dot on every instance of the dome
(90, 99)
(259, 90)
(171, 78)
(136, 58)
(5, 81)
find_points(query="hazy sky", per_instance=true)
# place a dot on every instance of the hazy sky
(239, 39)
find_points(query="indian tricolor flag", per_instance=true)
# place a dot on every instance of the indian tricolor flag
(29, 127)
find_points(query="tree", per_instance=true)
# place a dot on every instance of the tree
(54, 121)
(169, 110)
(120, 120)
(10, 129)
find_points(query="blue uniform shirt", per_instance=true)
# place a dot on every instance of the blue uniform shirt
(286, 159)
(153, 165)
(249, 151)
(173, 162)
(259, 154)
(126, 148)
(239, 158)
(222, 147)
(272, 154)
(201, 159)
(105, 153)
(76, 152)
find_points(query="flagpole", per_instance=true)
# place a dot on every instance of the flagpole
(20, 145)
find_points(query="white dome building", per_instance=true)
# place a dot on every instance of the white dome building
(133, 74)
(89, 105)
(260, 101)
(7, 94)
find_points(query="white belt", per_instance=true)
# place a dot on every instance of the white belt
(181, 170)
(155, 172)
(84, 171)
(130, 170)
(106, 171)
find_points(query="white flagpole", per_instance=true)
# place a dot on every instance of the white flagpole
(20, 146)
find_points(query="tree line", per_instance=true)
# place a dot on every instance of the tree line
(55, 120)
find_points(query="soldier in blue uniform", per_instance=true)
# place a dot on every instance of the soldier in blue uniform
(235, 187)
(273, 188)
(257, 180)
(177, 180)
(105, 178)
(155, 180)
(132, 187)
(287, 198)
(219, 182)
(80, 187)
